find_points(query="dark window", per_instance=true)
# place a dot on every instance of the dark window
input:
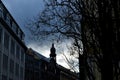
(1, 12)
(4, 77)
(17, 52)
(5, 15)
(1, 34)
(14, 27)
(22, 56)
(21, 73)
(11, 66)
(5, 62)
(10, 79)
(17, 30)
(12, 50)
(10, 22)
(6, 41)
(0, 60)
(21, 35)
(17, 69)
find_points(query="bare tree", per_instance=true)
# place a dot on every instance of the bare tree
(94, 22)
(63, 18)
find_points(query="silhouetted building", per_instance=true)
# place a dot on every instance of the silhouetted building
(32, 66)
(38, 67)
(66, 74)
(52, 70)
(12, 47)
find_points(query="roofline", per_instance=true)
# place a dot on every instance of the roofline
(11, 15)
(10, 30)
(13, 34)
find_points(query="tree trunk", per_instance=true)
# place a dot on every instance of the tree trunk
(105, 22)
(81, 67)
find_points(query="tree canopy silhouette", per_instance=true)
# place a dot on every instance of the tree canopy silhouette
(95, 23)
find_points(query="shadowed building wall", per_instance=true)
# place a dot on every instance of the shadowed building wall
(12, 47)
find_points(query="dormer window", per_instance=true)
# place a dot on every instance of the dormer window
(10, 23)
(4, 15)
(22, 36)
(8, 20)
(14, 27)
(19, 33)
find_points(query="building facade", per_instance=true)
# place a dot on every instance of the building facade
(12, 48)
(66, 74)
(38, 67)
(35, 66)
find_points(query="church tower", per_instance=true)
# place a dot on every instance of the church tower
(53, 53)
(52, 65)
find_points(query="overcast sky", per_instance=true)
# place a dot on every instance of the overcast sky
(25, 10)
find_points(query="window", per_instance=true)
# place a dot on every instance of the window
(8, 19)
(17, 30)
(22, 37)
(11, 66)
(4, 14)
(6, 41)
(12, 47)
(21, 72)
(10, 79)
(14, 27)
(17, 69)
(17, 52)
(4, 77)
(0, 60)
(1, 35)
(22, 56)
(5, 62)
(1, 12)
(10, 23)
